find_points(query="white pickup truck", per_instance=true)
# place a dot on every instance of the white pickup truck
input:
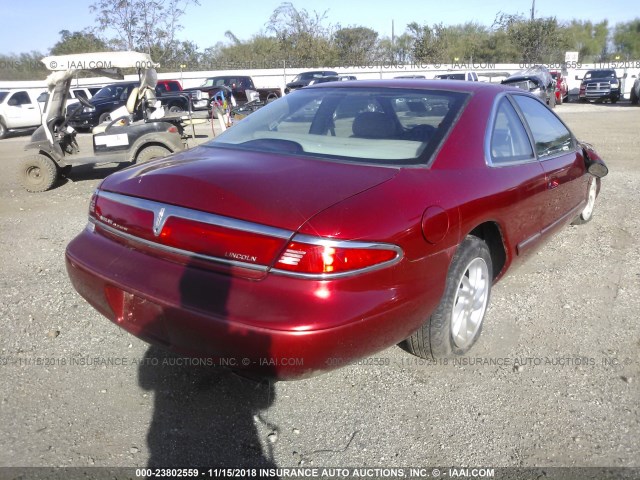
(19, 109)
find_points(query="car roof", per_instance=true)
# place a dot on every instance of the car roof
(418, 84)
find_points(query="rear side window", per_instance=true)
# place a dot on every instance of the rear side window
(550, 135)
(509, 140)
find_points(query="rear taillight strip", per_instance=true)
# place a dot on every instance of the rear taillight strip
(162, 212)
(293, 257)
(177, 251)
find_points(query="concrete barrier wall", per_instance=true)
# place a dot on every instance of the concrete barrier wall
(627, 71)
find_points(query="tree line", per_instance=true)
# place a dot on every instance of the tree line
(298, 38)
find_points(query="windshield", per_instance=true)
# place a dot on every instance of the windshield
(373, 125)
(600, 74)
(110, 91)
(3, 95)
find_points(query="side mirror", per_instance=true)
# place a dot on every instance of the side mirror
(598, 169)
(577, 78)
(595, 165)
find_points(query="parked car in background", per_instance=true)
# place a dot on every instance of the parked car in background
(334, 224)
(600, 85)
(410, 76)
(536, 80)
(168, 86)
(562, 89)
(332, 78)
(105, 101)
(74, 94)
(19, 110)
(635, 91)
(468, 76)
(238, 85)
(303, 79)
(114, 96)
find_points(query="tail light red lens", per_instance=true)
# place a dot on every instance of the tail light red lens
(172, 227)
(330, 257)
(221, 242)
(180, 231)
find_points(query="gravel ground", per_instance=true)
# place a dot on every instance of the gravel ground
(554, 380)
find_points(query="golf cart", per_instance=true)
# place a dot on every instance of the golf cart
(135, 133)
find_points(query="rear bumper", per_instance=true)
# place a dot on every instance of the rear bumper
(277, 327)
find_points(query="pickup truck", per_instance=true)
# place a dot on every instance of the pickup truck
(19, 110)
(239, 84)
(601, 84)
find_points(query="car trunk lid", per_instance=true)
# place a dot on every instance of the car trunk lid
(229, 207)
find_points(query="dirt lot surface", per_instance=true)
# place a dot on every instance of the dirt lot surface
(569, 317)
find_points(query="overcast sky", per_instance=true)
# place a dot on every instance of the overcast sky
(34, 24)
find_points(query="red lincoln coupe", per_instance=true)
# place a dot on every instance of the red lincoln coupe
(333, 223)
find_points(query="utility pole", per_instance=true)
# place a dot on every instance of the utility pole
(533, 8)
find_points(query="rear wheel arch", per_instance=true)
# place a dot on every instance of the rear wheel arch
(491, 233)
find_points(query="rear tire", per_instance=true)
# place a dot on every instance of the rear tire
(456, 324)
(176, 109)
(38, 173)
(587, 213)
(150, 153)
(633, 97)
(3, 130)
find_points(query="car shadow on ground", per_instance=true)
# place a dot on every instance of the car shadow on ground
(90, 171)
(205, 415)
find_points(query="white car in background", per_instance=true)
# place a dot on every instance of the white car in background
(19, 110)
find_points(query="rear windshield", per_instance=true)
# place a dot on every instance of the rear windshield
(372, 125)
(3, 95)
